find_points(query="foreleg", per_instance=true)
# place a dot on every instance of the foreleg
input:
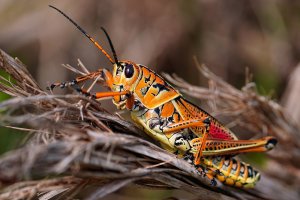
(103, 73)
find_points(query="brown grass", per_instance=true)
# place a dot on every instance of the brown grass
(77, 147)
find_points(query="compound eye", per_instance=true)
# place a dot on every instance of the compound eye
(129, 70)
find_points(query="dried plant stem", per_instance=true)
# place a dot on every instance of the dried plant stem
(85, 148)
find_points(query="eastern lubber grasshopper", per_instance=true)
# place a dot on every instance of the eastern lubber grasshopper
(181, 127)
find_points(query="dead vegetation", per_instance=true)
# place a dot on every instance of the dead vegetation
(75, 147)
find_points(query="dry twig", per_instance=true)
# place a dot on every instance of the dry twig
(101, 153)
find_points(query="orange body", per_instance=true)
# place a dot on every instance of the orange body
(180, 127)
(166, 116)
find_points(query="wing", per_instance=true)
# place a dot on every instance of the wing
(187, 111)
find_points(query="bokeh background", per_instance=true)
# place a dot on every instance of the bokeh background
(227, 36)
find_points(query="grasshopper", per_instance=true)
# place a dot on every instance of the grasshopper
(178, 125)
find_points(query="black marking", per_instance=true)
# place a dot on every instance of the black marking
(178, 141)
(162, 122)
(147, 79)
(160, 88)
(170, 119)
(150, 71)
(207, 121)
(120, 69)
(157, 111)
(157, 75)
(144, 90)
(250, 171)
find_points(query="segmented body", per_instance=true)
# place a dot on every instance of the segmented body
(232, 172)
(175, 109)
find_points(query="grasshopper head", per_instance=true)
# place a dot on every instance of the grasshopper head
(125, 76)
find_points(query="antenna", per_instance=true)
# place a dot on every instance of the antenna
(88, 36)
(111, 46)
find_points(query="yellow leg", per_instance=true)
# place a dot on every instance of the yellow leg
(202, 122)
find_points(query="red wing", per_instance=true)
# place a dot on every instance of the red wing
(189, 111)
(218, 132)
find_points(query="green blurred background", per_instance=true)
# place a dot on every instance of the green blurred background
(228, 36)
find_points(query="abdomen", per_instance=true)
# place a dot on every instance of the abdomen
(232, 172)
